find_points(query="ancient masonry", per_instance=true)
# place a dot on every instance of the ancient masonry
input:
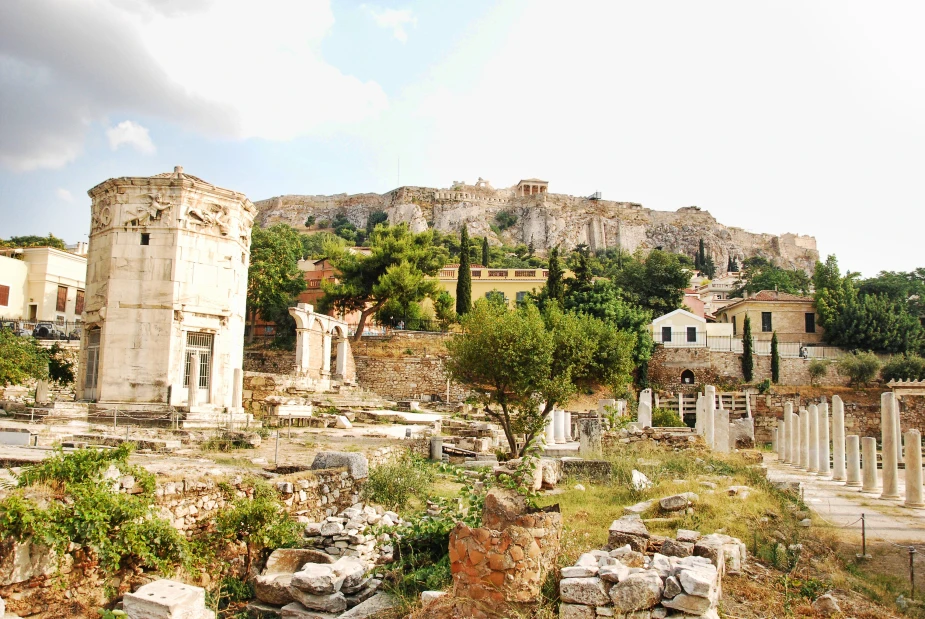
(546, 220)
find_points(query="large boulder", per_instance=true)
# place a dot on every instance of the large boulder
(273, 589)
(587, 591)
(317, 579)
(629, 530)
(356, 463)
(289, 560)
(639, 591)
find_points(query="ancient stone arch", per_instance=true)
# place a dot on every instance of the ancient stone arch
(314, 335)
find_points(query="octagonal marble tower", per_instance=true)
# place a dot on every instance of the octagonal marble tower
(166, 291)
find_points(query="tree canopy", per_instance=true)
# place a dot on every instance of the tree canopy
(397, 268)
(274, 279)
(463, 275)
(655, 283)
(21, 359)
(34, 241)
(760, 274)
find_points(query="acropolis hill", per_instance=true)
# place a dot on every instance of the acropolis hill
(548, 219)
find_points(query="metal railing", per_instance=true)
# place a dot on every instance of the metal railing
(732, 343)
(44, 329)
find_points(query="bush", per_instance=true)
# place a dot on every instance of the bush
(859, 367)
(666, 418)
(906, 367)
(394, 483)
(505, 219)
(817, 369)
(764, 386)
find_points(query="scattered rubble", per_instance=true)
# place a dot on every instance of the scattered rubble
(347, 534)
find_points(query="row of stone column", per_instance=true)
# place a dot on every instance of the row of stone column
(558, 427)
(802, 440)
(712, 421)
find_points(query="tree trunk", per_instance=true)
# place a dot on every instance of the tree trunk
(362, 323)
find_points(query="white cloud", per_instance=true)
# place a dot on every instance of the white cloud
(132, 134)
(224, 69)
(392, 19)
(64, 194)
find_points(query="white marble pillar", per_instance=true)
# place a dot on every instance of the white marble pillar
(748, 405)
(302, 348)
(709, 415)
(824, 467)
(853, 444)
(558, 424)
(793, 433)
(699, 424)
(238, 389)
(325, 355)
(897, 422)
(888, 438)
(340, 363)
(193, 394)
(681, 405)
(838, 439)
(721, 430)
(780, 439)
(812, 464)
(644, 416)
(914, 470)
(550, 428)
(568, 426)
(804, 440)
(869, 453)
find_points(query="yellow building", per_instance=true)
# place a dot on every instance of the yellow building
(513, 284)
(793, 317)
(42, 284)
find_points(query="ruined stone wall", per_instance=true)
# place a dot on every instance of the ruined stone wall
(269, 361)
(612, 440)
(406, 378)
(725, 368)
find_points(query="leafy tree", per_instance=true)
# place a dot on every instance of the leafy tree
(34, 241)
(463, 276)
(704, 263)
(760, 274)
(655, 283)
(775, 358)
(521, 363)
(907, 288)
(313, 245)
(375, 218)
(554, 286)
(274, 279)
(733, 265)
(817, 369)
(21, 358)
(399, 267)
(309, 221)
(486, 255)
(583, 276)
(748, 359)
(346, 229)
(505, 219)
(859, 367)
(904, 367)
(444, 311)
(60, 366)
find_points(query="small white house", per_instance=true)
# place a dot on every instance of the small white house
(682, 329)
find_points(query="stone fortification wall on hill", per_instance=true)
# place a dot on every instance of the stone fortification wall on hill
(547, 220)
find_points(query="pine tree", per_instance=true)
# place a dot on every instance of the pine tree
(485, 256)
(464, 278)
(733, 266)
(701, 256)
(748, 360)
(775, 359)
(554, 288)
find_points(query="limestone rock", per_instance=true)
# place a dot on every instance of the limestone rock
(330, 603)
(640, 481)
(273, 589)
(342, 422)
(690, 604)
(317, 579)
(369, 590)
(629, 557)
(371, 607)
(826, 605)
(674, 503)
(629, 530)
(351, 572)
(297, 611)
(429, 596)
(639, 591)
(587, 591)
(638, 508)
(674, 548)
(579, 571)
(614, 573)
(167, 598)
(576, 611)
(699, 582)
(686, 535)
(289, 560)
(356, 463)
(672, 587)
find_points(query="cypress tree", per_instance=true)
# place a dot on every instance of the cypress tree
(701, 256)
(485, 257)
(775, 359)
(464, 276)
(554, 288)
(748, 360)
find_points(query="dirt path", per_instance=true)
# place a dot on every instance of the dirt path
(841, 507)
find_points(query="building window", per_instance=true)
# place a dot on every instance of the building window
(766, 322)
(692, 334)
(810, 323)
(521, 297)
(666, 334)
(79, 303)
(687, 377)
(145, 238)
(5, 296)
(496, 295)
(61, 305)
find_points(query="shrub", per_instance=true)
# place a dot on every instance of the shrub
(394, 483)
(764, 386)
(666, 418)
(859, 367)
(817, 369)
(905, 367)
(505, 219)
(309, 221)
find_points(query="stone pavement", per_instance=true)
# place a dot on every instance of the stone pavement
(839, 505)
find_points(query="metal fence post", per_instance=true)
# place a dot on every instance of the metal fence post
(912, 572)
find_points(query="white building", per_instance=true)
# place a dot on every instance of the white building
(166, 292)
(682, 329)
(42, 284)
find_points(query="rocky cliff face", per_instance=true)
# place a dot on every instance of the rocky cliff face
(548, 220)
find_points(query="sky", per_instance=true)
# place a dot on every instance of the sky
(788, 116)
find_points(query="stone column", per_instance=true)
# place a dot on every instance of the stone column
(302, 348)
(838, 439)
(568, 426)
(779, 440)
(812, 464)
(589, 437)
(644, 416)
(558, 424)
(721, 431)
(238, 387)
(748, 405)
(325, 355)
(854, 461)
(340, 367)
(824, 467)
(193, 397)
(699, 424)
(804, 440)
(888, 438)
(914, 470)
(897, 419)
(681, 405)
(41, 392)
(791, 429)
(550, 428)
(436, 448)
(709, 415)
(869, 452)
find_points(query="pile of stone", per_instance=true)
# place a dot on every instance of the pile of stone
(650, 577)
(348, 534)
(671, 437)
(301, 583)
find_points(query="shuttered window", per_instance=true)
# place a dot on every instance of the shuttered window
(62, 299)
(4, 296)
